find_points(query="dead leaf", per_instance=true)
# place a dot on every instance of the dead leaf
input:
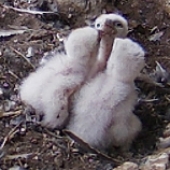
(156, 37)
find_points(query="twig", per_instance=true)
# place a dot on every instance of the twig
(5, 114)
(20, 54)
(147, 79)
(148, 100)
(7, 33)
(167, 98)
(53, 134)
(56, 143)
(88, 147)
(25, 155)
(13, 74)
(10, 135)
(28, 10)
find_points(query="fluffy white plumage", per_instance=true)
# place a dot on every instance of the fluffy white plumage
(48, 88)
(102, 110)
(111, 26)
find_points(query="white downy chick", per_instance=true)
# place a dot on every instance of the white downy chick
(111, 26)
(102, 110)
(48, 88)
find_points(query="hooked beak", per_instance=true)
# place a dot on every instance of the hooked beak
(99, 35)
(110, 26)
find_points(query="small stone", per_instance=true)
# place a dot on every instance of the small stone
(6, 85)
(34, 141)
(15, 41)
(16, 168)
(8, 105)
(35, 157)
(30, 52)
(54, 148)
(58, 160)
(157, 162)
(17, 120)
(1, 92)
(166, 133)
(127, 166)
(22, 131)
(163, 142)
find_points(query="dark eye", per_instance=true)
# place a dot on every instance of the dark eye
(118, 24)
(98, 25)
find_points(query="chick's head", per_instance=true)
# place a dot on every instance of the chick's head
(112, 24)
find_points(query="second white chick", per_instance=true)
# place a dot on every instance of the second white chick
(102, 113)
(111, 26)
(48, 88)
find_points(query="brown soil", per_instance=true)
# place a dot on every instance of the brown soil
(33, 147)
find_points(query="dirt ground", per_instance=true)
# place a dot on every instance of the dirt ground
(29, 146)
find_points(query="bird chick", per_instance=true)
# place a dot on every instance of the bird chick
(111, 26)
(102, 109)
(48, 88)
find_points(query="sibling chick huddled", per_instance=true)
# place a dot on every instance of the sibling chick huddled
(48, 89)
(102, 111)
(110, 26)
